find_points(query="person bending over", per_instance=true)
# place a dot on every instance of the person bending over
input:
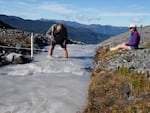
(58, 35)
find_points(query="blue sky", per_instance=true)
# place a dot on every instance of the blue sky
(105, 12)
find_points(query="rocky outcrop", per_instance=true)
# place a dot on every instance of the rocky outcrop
(136, 61)
(15, 58)
(18, 38)
(120, 82)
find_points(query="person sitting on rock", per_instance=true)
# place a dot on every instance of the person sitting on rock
(133, 43)
(58, 35)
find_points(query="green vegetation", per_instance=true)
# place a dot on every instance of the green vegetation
(108, 93)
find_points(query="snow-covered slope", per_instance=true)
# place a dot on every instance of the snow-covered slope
(47, 85)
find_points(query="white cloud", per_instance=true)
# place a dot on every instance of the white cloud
(124, 14)
(136, 20)
(87, 18)
(57, 8)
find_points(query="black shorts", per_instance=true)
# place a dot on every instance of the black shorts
(63, 45)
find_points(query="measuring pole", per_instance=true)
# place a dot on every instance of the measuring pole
(31, 46)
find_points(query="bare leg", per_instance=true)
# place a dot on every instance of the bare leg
(122, 46)
(50, 52)
(65, 52)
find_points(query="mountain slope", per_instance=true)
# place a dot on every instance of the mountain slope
(103, 29)
(5, 26)
(107, 29)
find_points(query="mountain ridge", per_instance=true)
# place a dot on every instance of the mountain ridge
(79, 33)
(104, 29)
(5, 26)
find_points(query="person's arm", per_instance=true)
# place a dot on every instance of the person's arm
(50, 33)
(136, 36)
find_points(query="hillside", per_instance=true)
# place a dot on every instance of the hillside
(120, 81)
(5, 26)
(79, 32)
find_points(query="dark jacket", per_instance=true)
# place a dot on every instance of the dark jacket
(58, 37)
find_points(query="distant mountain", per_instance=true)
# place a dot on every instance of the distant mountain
(107, 29)
(104, 29)
(76, 31)
(5, 26)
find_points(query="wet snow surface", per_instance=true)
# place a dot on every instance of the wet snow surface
(47, 85)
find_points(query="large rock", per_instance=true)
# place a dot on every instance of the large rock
(3, 61)
(15, 58)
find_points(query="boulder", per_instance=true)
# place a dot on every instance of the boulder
(15, 58)
(3, 61)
